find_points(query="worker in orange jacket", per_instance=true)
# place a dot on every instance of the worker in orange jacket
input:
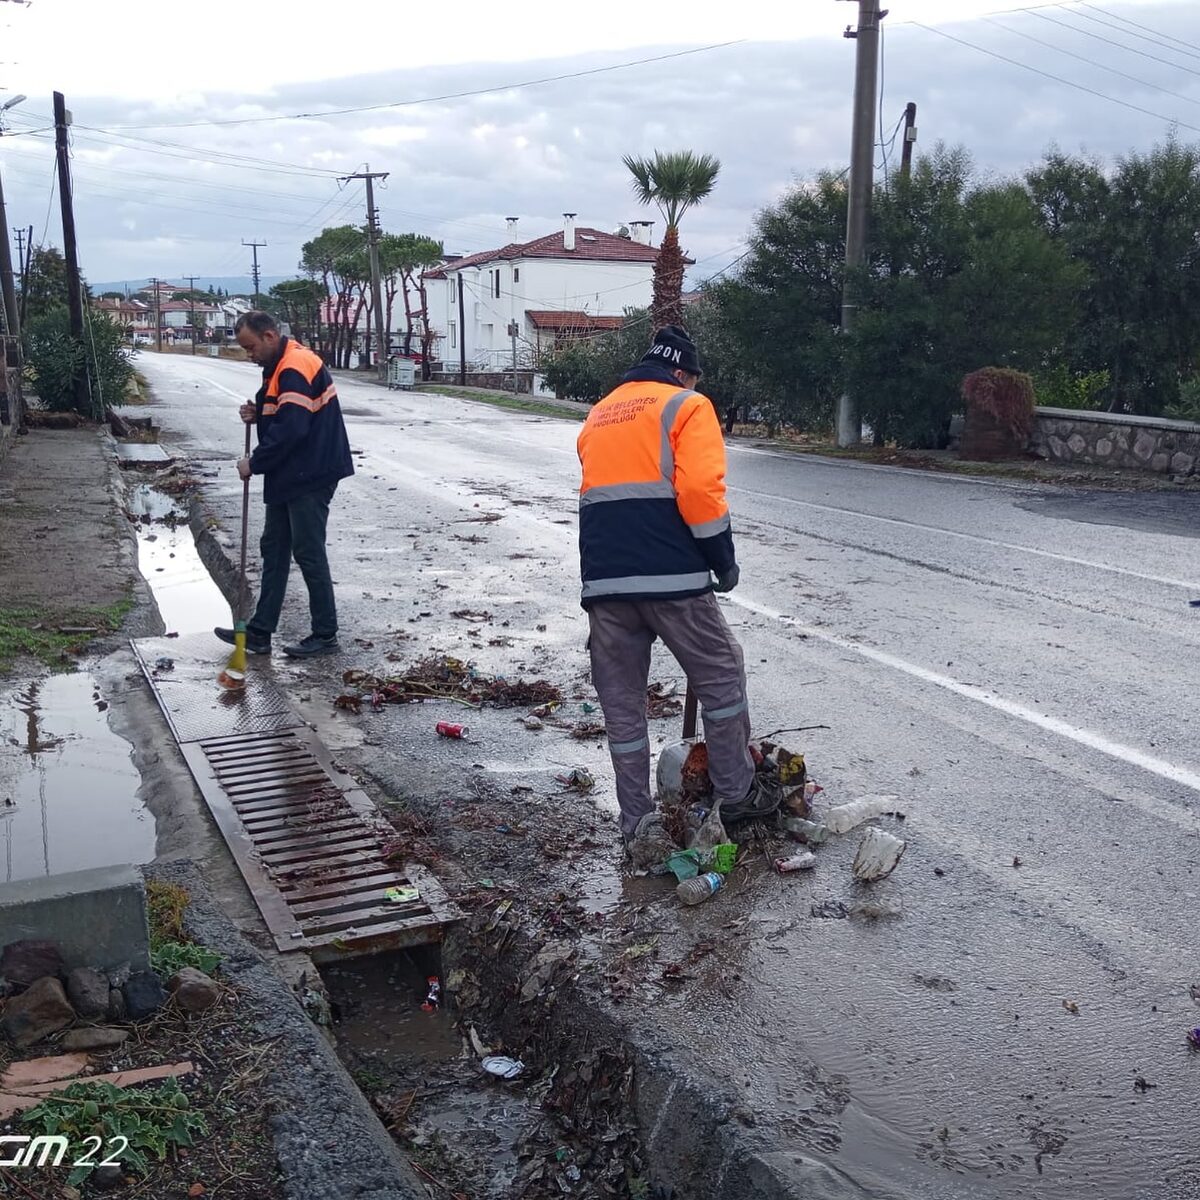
(655, 543)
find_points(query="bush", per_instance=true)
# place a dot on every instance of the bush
(1187, 407)
(56, 361)
(1060, 387)
(1003, 395)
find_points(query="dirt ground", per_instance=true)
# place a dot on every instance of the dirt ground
(65, 560)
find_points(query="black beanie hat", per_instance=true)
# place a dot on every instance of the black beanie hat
(674, 349)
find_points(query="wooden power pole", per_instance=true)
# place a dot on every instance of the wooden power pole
(373, 250)
(254, 246)
(154, 283)
(460, 279)
(70, 250)
(192, 301)
(910, 139)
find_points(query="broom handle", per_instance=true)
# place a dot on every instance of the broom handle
(689, 713)
(241, 615)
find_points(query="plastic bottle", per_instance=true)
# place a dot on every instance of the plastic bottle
(845, 817)
(696, 891)
(810, 832)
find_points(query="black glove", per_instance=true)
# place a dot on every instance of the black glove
(728, 580)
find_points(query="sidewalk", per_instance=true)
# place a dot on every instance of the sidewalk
(67, 559)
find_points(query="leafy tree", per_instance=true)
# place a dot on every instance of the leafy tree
(298, 302)
(46, 281)
(337, 257)
(589, 367)
(1134, 233)
(674, 183)
(56, 360)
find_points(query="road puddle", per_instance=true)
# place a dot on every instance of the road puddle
(187, 598)
(68, 789)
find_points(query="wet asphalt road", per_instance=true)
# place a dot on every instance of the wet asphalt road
(1017, 663)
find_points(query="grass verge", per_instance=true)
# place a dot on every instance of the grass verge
(503, 400)
(55, 639)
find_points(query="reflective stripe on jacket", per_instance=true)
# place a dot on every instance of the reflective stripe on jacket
(653, 521)
(302, 443)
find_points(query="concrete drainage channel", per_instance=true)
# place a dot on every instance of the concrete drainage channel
(597, 1108)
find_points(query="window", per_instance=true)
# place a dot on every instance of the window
(516, 274)
(453, 336)
(496, 283)
(453, 285)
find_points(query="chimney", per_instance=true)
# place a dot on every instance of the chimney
(568, 231)
(511, 222)
(641, 231)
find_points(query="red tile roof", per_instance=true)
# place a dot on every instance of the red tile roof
(572, 320)
(592, 244)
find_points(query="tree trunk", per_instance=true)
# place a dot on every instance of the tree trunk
(666, 307)
(408, 315)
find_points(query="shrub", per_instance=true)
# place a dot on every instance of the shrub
(1187, 407)
(1003, 395)
(1060, 387)
(56, 361)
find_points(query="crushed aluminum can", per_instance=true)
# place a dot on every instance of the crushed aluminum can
(433, 1000)
(448, 729)
(804, 861)
(502, 1067)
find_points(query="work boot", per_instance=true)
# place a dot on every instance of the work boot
(763, 798)
(312, 645)
(256, 643)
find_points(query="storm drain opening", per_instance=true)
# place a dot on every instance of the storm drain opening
(310, 844)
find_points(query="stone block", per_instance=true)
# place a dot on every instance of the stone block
(194, 991)
(94, 1038)
(1104, 448)
(1182, 463)
(1077, 443)
(87, 989)
(1160, 461)
(1144, 446)
(96, 918)
(144, 995)
(39, 1011)
(29, 959)
(1056, 446)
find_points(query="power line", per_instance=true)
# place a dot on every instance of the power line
(49, 205)
(1166, 62)
(505, 87)
(1137, 25)
(1163, 41)
(1013, 62)
(1091, 61)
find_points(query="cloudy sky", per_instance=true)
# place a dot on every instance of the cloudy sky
(175, 164)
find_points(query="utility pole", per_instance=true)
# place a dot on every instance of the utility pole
(22, 268)
(254, 246)
(373, 249)
(70, 251)
(157, 317)
(910, 139)
(25, 272)
(8, 290)
(461, 279)
(192, 301)
(862, 179)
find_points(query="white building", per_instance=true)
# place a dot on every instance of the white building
(570, 283)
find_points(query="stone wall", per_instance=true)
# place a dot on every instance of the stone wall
(1067, 435)
(496, 381)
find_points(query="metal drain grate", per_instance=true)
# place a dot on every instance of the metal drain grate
(309, 842)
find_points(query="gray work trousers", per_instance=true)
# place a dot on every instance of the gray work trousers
(695, 631)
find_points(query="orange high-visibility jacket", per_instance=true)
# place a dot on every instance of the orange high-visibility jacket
(653, 521)
(302, 443)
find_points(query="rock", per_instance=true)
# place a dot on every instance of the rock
(106, 1177)
(1182, 464)
(118, 1010)
(118, 977)
(1160, 461)
(24, 962)
(144, 995)
(1104, 447)
(97, 1037)
(1144, 447)
(194, 991)
(87, 990)
(1076, 443)
(39, 1011)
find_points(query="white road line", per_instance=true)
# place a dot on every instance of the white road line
(1189, 585)
(1084, 737)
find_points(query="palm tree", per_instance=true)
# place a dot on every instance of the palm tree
(674, 183)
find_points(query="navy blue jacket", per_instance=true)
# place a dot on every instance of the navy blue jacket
(302, 443)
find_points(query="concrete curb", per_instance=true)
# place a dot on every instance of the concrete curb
(328, 1139)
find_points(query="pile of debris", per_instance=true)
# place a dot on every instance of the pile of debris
(686, 836)
(440, 677)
